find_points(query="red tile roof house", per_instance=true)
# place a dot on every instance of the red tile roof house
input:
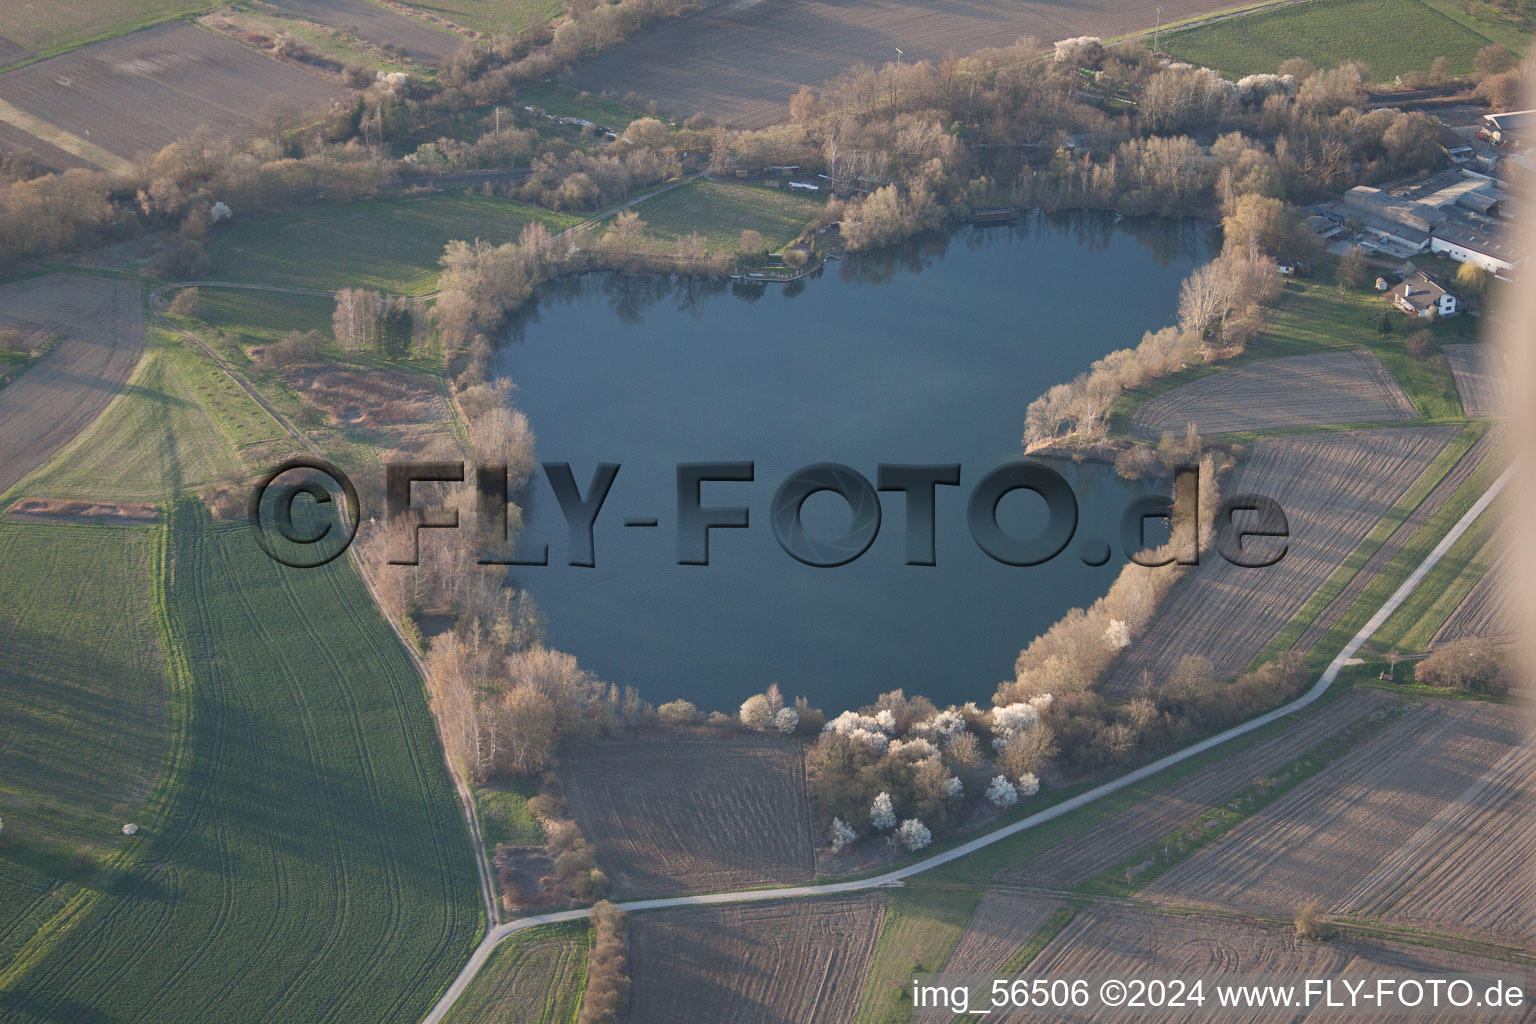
(1423, 295)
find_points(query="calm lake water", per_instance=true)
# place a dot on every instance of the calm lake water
(925, 354)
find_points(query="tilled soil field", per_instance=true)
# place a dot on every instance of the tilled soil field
(740, 61)
(11, 52)
(1480, 378)
(100, 325)
(1333, 488)
(1474, 457)
(684, 816)
(1489, 611)
(1298, 391)
(773, 963)
(1429, 822)
(1003, 922)
(17, 140)
(139, 92)
(1096, 849)
(377, 25)
(1137, 943)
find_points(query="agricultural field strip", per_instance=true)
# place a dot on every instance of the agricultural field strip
(669, 817)
(1427, 880)
(1085, 854)
(466, 799)
(1474, 456)
(12, 52)
(142, 91)
(1334, 488)
(1488, 610)
(1482, 379)
(537, 978)
(1002, 923)
(1294, 391)
(741, 61)
(101, 323)
(1138, 941)
(804, 960)
(1378, 831)
(897, 876)
(376, 24)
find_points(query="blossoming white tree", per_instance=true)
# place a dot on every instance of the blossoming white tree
(842, 834)
(1029, 784)
(1002, 792)
(1117, 635)
(882, 813)
(786, 720)
(913, 835)
(1014, 718)
(756, 713)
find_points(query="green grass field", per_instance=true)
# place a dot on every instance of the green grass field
(84, 733)
(922, 924)
(391, 245)
(81, 673)
(504, 813)
(49, 28)
(309, 862)
(722, 212)
(563, 101)
(1392, 36)
(535, 977)
(173, 427)
(507, 17)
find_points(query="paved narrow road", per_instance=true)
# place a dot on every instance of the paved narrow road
(893, 878)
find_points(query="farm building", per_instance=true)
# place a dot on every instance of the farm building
(1423, 295)
(1455, 212)
(1464, 243)
(1514, 122)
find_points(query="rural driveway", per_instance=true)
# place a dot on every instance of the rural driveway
(896, 877)
(99, 322)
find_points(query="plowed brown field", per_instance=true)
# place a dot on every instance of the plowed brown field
(1333, 488)
(742, 60)
(1430, 822)
(684, 816)
(1480, 379)
(1080, 857)
(100, 324)
(136, 93)
(1298, 391)
(799, 960)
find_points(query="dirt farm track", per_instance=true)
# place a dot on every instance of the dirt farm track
(741, 60)
(100, 327)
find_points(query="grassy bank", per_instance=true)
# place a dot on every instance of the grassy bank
(391, 245)
(1392, 36)
(721, 212)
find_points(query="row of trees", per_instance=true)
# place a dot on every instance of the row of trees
(606, 994)
(367, 321)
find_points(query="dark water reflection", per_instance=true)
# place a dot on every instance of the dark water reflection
(928, 352)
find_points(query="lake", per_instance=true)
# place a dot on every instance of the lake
(926, 353)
